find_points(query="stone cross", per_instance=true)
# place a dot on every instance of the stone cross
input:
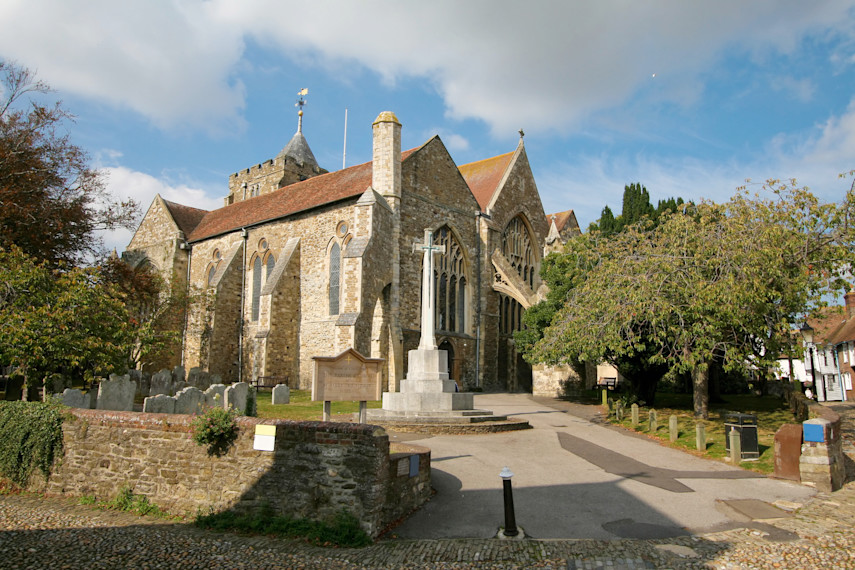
(428, 339)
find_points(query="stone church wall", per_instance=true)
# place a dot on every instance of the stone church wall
(315, 470)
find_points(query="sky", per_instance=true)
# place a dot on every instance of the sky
(690, 99)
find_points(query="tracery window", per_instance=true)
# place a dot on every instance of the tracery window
(256, 287)
(335, 278)
(516, 245)
(260, 273)
(450, 277)
(510, 315)
(212, 268)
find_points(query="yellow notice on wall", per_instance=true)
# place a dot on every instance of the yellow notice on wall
(265, 438)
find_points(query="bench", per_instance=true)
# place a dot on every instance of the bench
(269, 381)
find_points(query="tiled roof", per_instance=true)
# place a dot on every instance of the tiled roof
(299, 197)
(185, 217)
(483, 177)
(562, 219)
(828, 324)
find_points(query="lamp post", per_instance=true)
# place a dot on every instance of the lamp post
(510, 520)
(807, 335)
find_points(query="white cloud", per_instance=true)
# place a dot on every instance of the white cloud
(547, 66)
(125, 183)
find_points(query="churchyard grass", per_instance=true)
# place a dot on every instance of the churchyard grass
(302, 408)
(771, 413)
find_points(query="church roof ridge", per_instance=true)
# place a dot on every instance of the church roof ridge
(484, 176)
(301, 196)
(186, 217)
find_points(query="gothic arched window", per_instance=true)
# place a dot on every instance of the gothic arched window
(516, 245)
(450, 276)
(256, 287)
(335, 278)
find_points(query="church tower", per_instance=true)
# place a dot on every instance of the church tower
(294, 163)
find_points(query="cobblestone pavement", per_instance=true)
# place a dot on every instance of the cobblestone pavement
(53, 532)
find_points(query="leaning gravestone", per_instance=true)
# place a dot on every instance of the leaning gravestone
(74, 398)
(214, 395)
(281, 394)
(159, 404)
(117, 394)
(190, 400)
(234, 397)
(161, 383)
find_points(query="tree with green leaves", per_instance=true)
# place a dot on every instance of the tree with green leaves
(52, 204)
(56, 321)
(717, 284)
(636, 207)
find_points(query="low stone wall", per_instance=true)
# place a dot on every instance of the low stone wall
(821, 463)
(315, 470)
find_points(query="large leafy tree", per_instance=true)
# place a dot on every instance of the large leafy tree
(713, 285)
(636, 206)
(52, 204)
(60, 321)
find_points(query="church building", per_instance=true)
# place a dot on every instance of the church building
(301, 262)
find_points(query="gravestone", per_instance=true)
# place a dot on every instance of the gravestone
(144, 389)
(215, 396)
(117, 393)
(161, 383)
(74, 398)
(159, 404)
(281, 394)
(178, 375)
(56, 384)
(190, 400)
(14, 388)
(234, 397)
(198, 378)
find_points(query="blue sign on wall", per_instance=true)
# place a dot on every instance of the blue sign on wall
(814, 432)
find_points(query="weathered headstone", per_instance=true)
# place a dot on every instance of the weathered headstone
(634, 411)
(136, 378)
(673, 428)
(145, 384)
(215, 396)
(234, 397)
(117, 394)
(159, 404)
(190, 400)
(198, 378)
(701, 437)
(178, 375)
(281, 394)
(161, 383)
(56, 384)
(74, 398)
(652, 424)
(14, 388)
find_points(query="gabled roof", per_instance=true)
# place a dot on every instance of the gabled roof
(562, 219)
(827, 324)
(484, 176)
(299, 197)
(186, 218)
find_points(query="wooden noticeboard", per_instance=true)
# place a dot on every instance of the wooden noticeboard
(347, 377)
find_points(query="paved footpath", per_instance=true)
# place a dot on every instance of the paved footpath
(38, 532)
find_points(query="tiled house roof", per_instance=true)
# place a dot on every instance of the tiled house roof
(562, 219)
(299, 197)
(185, 217)
(483, 177)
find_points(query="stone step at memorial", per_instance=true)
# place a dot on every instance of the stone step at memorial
(458, 416)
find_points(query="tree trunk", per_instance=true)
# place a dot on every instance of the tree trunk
(701, 393)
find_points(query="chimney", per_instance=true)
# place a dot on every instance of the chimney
(849, 299)
(386, 163)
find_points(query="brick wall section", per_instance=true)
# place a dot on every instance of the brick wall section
(316, 470)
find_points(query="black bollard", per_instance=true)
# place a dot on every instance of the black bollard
(510, 520)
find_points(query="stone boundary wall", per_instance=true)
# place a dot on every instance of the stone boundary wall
(315, 470)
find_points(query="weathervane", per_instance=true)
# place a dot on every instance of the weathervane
(299, 104)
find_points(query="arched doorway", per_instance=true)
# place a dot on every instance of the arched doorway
(453, 364)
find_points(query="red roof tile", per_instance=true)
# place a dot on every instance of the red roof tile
(288, 200)
(827, 324)
(483, 177)
(562, 219)
(185, 217)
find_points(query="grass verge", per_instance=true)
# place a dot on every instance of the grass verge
(771, 414)
(302, 408)
(343, 531)
(127, 501)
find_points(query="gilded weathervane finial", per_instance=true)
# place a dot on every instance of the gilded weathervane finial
(299, 104)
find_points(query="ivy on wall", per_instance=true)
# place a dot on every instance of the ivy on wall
(32, 437)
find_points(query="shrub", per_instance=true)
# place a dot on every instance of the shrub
(32, 437)
(217, 429)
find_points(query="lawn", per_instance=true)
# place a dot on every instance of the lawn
(771, 414)
(302, 408)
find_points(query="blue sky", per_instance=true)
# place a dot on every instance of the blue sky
(688, 98)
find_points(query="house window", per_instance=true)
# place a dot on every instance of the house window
(335, 278)
(450, 277)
